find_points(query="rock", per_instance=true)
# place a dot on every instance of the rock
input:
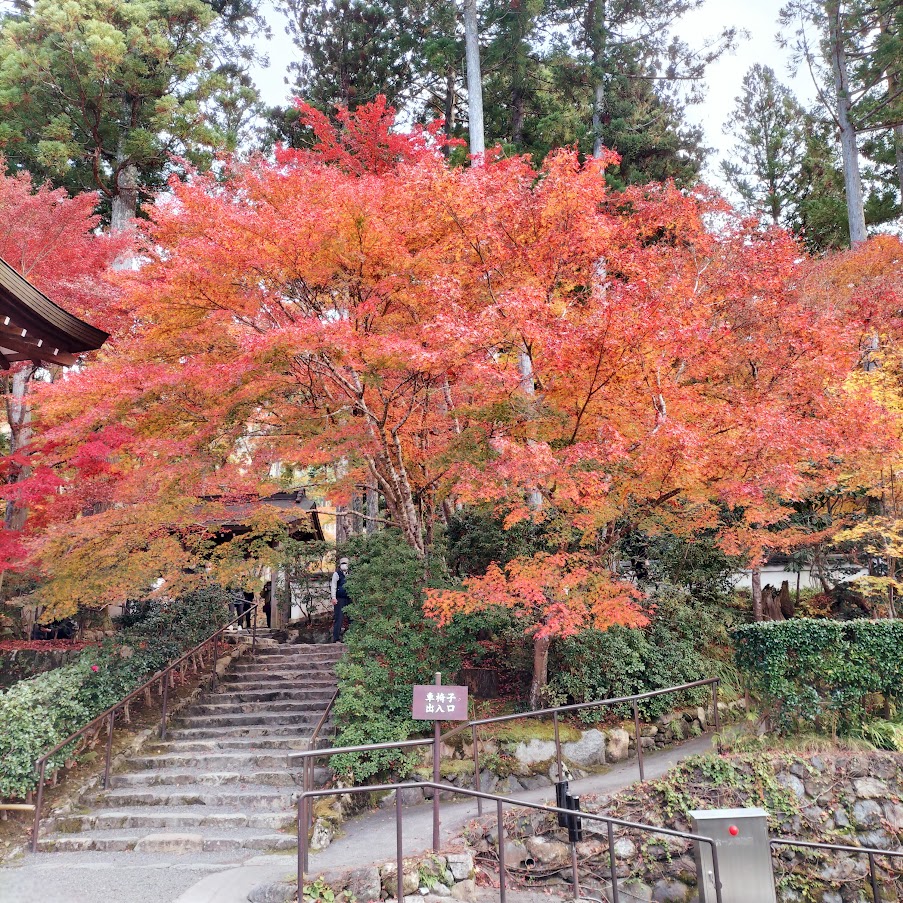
(669, 891)
(817, 763)
(893, 813)
(634, 891)
(438, 890)
(460, 865)
(535, 752)
(840, 819)
(843, 869)
(884, 768)
(617, 746)
(322, 834)
(878, 839)
(535, 781)
(866, 814)
(588, 751)
(465, 891)
(625, 848)
(275, 893)
(831, 896)
(813, 815)
(799, 770)
(410, 879)
(515, 853)
(364, 883)
(792, 783)
(870, 789)
(170, 843)
(858, 767)
(411, 796)
(701, 716)
(549, 853)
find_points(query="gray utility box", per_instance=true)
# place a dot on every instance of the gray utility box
(744, 855)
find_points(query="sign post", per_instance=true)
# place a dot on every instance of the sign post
(438, 703)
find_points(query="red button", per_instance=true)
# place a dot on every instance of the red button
(733, 830)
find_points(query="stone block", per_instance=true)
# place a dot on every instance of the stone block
(866, 814)
(535, 752)
(588, 751)
(625, 848)
(460, 865)
(617, 746)
(465, 891)
(280, 892)
(364, 883)
(670, 891)
(893, 813)
(792, 783)
(410, 879)
(170, 843)
(871, 789)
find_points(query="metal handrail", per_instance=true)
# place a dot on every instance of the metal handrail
(310, 754)
(307, 766)
(871, 852)
(501, 802)
(165, 678)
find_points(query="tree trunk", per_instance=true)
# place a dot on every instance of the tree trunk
(449, 100)
(541, 646)
(18, 416)
(372, 496)
(851, 175)
(125, 200)
(528, 384)
(596, 38)
(517, 118)
(898, 154)
(756, 578)
(474, 79)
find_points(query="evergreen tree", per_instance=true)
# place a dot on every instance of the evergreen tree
(765, 163)
(98, 94)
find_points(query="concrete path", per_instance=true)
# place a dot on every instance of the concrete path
(227, 877)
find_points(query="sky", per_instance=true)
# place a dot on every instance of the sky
(757, 17)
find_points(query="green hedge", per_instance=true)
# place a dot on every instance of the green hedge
(37, 714)
(818, 673)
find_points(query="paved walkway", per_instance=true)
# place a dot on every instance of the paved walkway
(92, 877)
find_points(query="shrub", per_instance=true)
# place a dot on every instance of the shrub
(622, 661)
(818, 673)
(37, 714)
(391, 647)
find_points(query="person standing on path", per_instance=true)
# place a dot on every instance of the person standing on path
(340, 599)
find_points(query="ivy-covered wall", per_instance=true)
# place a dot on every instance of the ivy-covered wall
(821, 674)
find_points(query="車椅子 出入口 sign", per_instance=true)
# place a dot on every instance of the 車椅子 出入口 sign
(438, 703)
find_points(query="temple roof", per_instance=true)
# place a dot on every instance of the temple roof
(33, 328)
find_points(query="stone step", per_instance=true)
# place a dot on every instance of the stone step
(241, 798)
(179, 818)
(175, 777)
(240, 720)
(294, 730)
(237, 707)
(323, 695)
(286, 670)
(274, 682)
(278, 655)
(214, 761)
(122, 840)
(237, 744)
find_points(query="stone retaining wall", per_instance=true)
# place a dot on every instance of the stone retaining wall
(853, 800)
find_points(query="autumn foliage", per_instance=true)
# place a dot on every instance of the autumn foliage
(601, 362)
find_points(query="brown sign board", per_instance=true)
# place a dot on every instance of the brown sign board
(437, 703)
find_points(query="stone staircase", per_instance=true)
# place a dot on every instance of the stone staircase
(225, 778)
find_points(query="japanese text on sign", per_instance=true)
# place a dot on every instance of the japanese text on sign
(437, 703)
